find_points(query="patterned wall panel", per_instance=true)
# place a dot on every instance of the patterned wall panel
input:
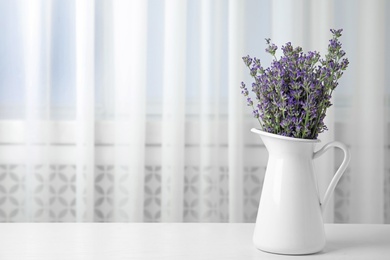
(253, 183)
(152, 196)
(62, 190)
(387, 196)
(191, 194)
(224, 194)
(342, 198)
(12, 193)
(104, 193)
(209, 189)
(52, 194)
(206, 194)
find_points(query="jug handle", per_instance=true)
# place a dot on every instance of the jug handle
(339, 172)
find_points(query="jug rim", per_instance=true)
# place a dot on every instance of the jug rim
(293, 139)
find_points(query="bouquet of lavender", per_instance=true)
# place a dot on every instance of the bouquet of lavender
(294, 93)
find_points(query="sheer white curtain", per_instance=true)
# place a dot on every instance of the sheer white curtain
(131, 110)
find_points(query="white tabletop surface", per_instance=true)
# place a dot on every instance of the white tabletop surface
(182, 241)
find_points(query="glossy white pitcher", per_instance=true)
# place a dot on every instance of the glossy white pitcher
(289, 220)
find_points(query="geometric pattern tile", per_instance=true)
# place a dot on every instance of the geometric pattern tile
(40, 187)
(223, 194)
(209, 188)
(152, 194)
(191, 194)
(206, 195)
(52, 196)
(12, 193)
(62, 193)
(104, 193)
(54, 191)
(122, 198)
(387, 196)
(342, 195)
(253, 183)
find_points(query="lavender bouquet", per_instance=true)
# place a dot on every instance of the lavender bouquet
(294, 93)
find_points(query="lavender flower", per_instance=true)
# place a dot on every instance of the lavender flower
(294, 92)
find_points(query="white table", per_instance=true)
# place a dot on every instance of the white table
(174, 241)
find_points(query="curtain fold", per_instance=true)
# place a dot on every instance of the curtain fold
(322, 17)
(236, 35)
(85, 112)
(130, 88)
(173, 111)
(369, 121)
(35, 122)
(131, 110)
(208, 150)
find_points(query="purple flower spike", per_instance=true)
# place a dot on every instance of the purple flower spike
(249, 101)
(294, 92)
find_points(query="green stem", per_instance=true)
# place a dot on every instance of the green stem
(306, 116)
(306, 119)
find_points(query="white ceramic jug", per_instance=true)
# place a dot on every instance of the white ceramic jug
(289, 219)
